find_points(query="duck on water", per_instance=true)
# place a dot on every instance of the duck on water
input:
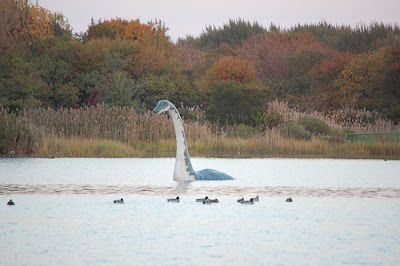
(177, 199)
(119, 201)
(183, 167)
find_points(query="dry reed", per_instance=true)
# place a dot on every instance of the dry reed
(103, 131)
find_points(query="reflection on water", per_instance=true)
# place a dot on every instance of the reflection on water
(153, 176)
(185, 188)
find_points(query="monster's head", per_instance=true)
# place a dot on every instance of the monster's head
(163, 106)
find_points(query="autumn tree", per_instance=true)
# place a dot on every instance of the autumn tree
(236, 95)
(392, 84)
(153, 54)
(231, 68)
(119, 29)
(24, 28)
(189, 54)
(322, 78)
(269, 52)
(23, 23)
(361, 78)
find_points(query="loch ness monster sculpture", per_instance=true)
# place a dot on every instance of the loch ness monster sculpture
(183, 167)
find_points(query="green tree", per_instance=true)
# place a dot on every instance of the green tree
(235, 102)
(231, 33)
(152, 88)
(111, 83)
(358, 39)
(20, 83)
(55, 58)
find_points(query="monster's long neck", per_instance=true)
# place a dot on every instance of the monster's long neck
(183, 166)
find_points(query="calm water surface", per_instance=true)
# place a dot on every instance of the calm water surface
(343, 212)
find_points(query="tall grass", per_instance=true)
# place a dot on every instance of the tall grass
(17, 134)
(356, 120)
(122, 132)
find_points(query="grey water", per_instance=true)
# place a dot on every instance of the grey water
(343, 212)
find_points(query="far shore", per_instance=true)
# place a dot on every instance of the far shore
(225, 148)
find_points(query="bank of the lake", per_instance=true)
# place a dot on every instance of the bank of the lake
(219, 147)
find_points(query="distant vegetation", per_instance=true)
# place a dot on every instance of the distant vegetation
(253, 88)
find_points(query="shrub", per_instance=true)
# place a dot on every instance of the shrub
(295, 131)
(314, 125)
(234, 102)
(242, 131)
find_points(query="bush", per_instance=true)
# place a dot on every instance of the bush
(242, 131)
(314, 125)
(295, 131)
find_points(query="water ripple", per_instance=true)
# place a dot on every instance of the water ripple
(187, 189)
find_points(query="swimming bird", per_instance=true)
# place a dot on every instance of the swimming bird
(240, 200)
(214, 200)
(289, 200)
(207, 201)
(201, 200)
(256, 199)
(174, 200)
(119, 201)
(10, 202)
(247, 201)
(183, 167)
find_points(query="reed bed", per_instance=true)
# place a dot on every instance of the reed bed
(78, 147)
(103, 131)
(356, 120)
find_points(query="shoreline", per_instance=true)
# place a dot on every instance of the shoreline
(217, 155)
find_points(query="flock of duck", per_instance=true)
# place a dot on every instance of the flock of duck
(205, 200)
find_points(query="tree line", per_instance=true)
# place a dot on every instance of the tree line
(232, 72)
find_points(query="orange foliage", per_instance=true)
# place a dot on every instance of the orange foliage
(22, 22)
(231, 68)
(361, 76)
(153, 53)
(120, 28)
(148, 61)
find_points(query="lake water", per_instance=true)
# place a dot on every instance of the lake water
(343, 212)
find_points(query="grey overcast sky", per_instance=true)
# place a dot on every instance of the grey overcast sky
(190, 17)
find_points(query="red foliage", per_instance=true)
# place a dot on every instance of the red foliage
(330, 69)
(268, 52)
(92, 99)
